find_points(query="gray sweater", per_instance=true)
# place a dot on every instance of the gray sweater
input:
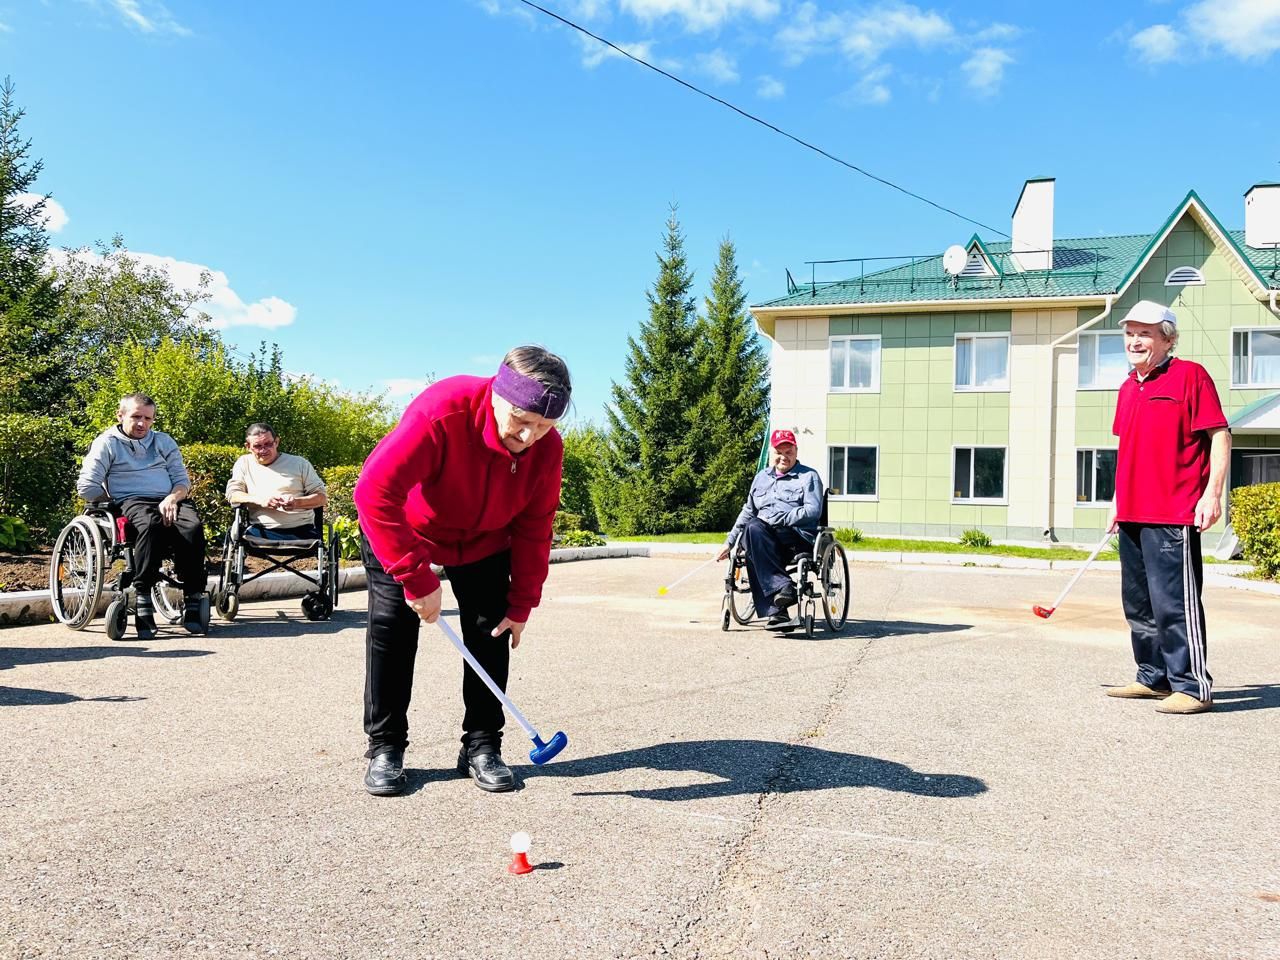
(791, 500)
(118, 466)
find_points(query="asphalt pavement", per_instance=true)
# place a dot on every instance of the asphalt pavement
(944, 778)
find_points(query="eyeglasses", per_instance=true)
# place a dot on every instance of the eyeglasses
(262, 445)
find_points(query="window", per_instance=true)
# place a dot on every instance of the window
(1255, 358)
(979, 474)
(1095, 476)
(1103, 365)
(982, 361)
(1184, 277)
(852, 471)
(855, 364)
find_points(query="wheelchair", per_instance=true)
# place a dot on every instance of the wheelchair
(821, 577)
(85, 553)
(317, 604)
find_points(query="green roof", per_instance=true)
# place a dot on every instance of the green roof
(1082, 267)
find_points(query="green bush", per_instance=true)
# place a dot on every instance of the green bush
(583, 456)
(1255, 517)
(340, 482)
(209, 466)
(37, 472)
(848, 534)
(974, 538)
(566, 522)
(348, 531)
(580, 538)
(14, 534)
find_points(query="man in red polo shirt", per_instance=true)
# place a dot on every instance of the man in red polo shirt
(1170, 470)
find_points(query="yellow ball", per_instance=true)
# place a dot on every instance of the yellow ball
(662, 591)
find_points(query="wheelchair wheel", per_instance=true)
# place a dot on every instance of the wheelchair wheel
(316, 606)
(738, 590)
(835, 586)
(724, 621)
(227, 603)
(808, 623)
(166, 597)
(117, 618)
(76, 572)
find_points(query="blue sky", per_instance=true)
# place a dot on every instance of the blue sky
(401, 189)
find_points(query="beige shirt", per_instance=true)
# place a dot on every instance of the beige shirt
(285, 474)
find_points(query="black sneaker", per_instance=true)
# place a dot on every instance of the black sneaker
(385, 776)
(487, 770)
(144, 618)
(780, 621)
(193, 614)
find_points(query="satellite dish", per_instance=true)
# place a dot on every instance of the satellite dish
(955, 259)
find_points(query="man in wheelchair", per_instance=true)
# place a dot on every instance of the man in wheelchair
(141, 470)
(280, 490)
(778, 521)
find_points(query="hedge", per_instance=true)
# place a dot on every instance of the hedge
(37, 472)
(1255, 517)
(209, 466)
(339, 483)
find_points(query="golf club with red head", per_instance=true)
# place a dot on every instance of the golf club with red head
(543, 750)
(1047, 612)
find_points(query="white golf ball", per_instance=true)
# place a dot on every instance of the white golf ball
(520, 842)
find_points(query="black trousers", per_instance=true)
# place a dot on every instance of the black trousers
(391, 646)
(769, 550)
(153, 541)
(1161, 578)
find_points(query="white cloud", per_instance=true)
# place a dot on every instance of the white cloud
(5, 28)
(1156, 44)
(1248, 29)
(700, 15)
(55, 217)
(407, 387)
(863, 36)
(985, 69)
(719, 66)
(1244, 29)
(769, 88)
(224, 306)
(871, 90)
(595, 53)
(149, 16)
(997, 32)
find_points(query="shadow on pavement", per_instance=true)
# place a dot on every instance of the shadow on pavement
(759, 766)
(25, 656)
(1256, 696)
(879, 629)
(21, 697)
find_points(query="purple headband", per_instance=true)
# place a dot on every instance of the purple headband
(529, 394)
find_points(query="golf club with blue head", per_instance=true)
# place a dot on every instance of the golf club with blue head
(543, 750)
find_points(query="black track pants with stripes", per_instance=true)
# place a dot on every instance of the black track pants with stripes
(1161, 577)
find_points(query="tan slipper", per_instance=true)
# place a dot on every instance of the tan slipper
(1137, 691)
(1183, 703)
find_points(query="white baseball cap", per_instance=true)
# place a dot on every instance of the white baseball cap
(1148, 311)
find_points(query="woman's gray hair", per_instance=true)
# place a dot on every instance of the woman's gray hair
(539, 363)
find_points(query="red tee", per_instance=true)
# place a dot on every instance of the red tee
(441, 488)
(1162, 466)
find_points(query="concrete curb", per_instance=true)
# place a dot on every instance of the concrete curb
(33, 606)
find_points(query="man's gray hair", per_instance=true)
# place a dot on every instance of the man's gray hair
(1170, 332)
(141, 399)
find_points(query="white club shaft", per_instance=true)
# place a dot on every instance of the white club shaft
(1079, 573)
(676, 583)
(488, 680)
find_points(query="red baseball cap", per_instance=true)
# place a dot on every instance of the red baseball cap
(779, 437)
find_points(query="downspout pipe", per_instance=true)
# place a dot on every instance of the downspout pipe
(1053, 404)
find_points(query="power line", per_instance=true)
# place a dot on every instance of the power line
(764, 123)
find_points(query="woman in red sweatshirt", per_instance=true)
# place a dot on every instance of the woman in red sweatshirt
(469, 480)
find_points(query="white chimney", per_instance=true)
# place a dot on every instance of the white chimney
(1262, 215)
(1033, 225)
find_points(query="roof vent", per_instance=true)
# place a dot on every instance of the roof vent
(1262, 215)
(976, 266)
(1184, 277)
(1032, 246)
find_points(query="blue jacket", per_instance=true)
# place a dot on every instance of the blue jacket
(791, 500)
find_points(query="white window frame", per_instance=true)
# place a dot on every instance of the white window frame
(1004, 481)
(1093, 338)
(1249, 385)
(1008, 361)
(1093, 480)
(868, 498)
(875, 366)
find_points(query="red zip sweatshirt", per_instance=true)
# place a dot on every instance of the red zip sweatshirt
(441, 488)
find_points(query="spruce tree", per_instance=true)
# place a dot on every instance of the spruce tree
(734, 368)
(32, 378)
(657, 446)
